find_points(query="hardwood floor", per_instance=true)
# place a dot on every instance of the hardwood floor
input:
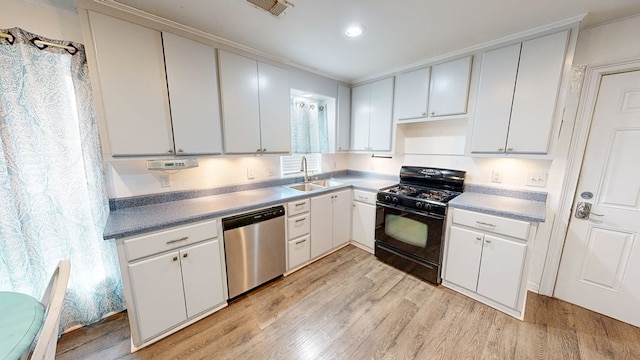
(348, 305)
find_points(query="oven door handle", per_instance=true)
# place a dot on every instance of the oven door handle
(410, 211)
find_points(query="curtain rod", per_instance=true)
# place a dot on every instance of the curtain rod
(6, 36)
(41, 44)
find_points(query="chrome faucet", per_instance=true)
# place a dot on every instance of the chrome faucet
(303, 167)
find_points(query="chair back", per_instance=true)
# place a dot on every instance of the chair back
(52, 300)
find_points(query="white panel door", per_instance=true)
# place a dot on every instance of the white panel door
(202, 277)
(341, 218)
(464, 251)
(600, 266)
(192, 78)
(133, 85)
(321, 225)
(343, 138)
(450, 87)
(381, 116)
(495, 96)
(159, 296)
(360, 108)
(412, 94)
(501, 269)
(275, 112)
(536, 93)
(240, 111)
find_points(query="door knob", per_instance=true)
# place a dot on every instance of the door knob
(583, 211)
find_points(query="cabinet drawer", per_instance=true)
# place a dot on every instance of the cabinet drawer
(298, 226)
(299, 251)
(298, 207)
(146, 245)
(496, 224)
(364, 196)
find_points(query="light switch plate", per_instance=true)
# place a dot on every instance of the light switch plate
(496, 176)
(250, 174)
(537, 178)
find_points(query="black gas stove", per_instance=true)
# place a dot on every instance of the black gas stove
(425, 189)
(410, 219)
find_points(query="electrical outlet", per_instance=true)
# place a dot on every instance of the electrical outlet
(250, 174)
(536, 178)
(165, 180)
(496, 176)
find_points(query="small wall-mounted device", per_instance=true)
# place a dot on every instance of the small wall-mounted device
(172, 164)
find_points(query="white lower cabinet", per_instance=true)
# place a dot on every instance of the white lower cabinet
(330, 222)
(298, 228)
(171, 279)
(363, 217)
(485, 260)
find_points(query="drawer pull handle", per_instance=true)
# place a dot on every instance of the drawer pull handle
(177, 240)
(301, 241)
(301, 220)
(185, 255)
(485, 224)
(175, 258)
(488, 241)
(300, 204)
(362, 197)
(478, 238)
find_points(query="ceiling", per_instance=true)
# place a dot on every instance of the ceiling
(397, 33)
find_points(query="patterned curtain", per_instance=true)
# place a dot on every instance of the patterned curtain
(309, 133)
(53, 203)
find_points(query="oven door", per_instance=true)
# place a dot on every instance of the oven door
(410, 231)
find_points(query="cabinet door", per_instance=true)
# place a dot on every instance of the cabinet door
(275, 112)
(321, 225)
(450, 87)
(464, 251)
(361, 99)
(381, 117)
(495, 95)
(192, 78)
(202, 277)
(299, 251)
(364, 224)
(341, 218)
(239, 95)
(501, 270)
(343, 126)
(158, 294)
(133, 87)
(412, 93)
(536, 94)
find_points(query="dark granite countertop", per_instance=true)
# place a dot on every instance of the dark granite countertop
(137, 220)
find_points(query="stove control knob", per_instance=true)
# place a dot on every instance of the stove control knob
(419, 205)
(427, 206)
(394, 200)
(387, 198)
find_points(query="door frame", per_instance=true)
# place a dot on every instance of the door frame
(579, 137)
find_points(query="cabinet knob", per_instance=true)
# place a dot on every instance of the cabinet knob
(433, 113)
(175, 258)
(488, 241)
(185, 255)
(258, 150)
(264, 150)
(501, 149)
(180, 150)
(478, 238)
(510, 149)
(170, 151)
(424, 113)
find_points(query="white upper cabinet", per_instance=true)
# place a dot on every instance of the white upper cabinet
(255, 106)
(192, 77)
(133, 87)
(372, 111)
(141, 72)
(450, 87)
(343, 126)
(433, 92)
(412, 94)
(517, 96)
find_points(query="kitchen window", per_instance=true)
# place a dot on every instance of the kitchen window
(290, 165)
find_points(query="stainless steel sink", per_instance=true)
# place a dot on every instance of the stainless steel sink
(305, 187)
(326, 183)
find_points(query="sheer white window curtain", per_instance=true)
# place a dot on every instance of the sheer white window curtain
(53, 204)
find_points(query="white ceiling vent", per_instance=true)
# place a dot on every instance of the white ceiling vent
(275, 7)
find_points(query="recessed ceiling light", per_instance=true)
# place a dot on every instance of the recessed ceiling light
(353, 31)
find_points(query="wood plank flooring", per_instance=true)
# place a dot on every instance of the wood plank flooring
(348, 305)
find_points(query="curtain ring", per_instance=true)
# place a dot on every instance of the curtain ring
(33, 41)
(11, 38)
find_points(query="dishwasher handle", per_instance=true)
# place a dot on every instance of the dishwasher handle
(245, 219)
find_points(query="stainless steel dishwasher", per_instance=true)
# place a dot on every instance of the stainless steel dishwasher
(254, 246)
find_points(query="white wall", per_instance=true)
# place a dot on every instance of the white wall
(37, 18)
